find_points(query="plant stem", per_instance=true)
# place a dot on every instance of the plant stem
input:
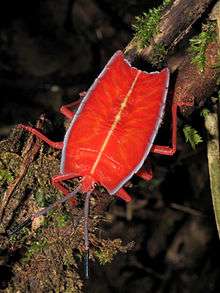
(211, 124)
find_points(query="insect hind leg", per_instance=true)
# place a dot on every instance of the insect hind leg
(123, 195)
(170, 150)
(65, 109)
(145, 172)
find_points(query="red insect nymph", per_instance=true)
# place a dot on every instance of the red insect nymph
(113, 130)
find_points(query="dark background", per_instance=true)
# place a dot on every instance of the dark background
(63, 43)
(52, 50)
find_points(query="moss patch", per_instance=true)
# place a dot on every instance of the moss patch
(146, 25)
(109, 248)
(198, 45)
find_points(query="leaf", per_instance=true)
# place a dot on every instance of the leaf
(204, 112)
(192, 136)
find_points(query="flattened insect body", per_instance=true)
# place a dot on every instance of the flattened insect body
(112, 132)
(127, 99)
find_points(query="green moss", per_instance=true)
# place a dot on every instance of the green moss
(20, 237)
(146, 26)
(109, 248)
(61, 220)
(49, 254)
(5, 176)
(68, 258)
(198, 45)
(10, 160)
(35, 248)
(192, 136)
(159, 54)
(39, 196)
(105, 256)
(8, 166)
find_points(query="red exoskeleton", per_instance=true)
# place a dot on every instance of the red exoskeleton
(112, 132)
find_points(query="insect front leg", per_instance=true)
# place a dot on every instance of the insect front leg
(57, 181)
(53, 144)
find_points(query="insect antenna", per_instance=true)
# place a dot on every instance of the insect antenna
(86, 234)
(42, 212)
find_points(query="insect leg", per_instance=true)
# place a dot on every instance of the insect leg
(54, 144)
(57, 182)
(123, 195)
(145, 172)
(170, 150)
(65, 108)
(66, 111)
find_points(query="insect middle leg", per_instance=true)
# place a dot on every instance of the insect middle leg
(67, 112)
(65, 108)
(170, 150)
(145, 173)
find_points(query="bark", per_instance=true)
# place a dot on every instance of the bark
(195, 86)
(191, 85)
(175, 24)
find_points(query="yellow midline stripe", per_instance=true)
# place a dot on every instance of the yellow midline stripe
(114, 124)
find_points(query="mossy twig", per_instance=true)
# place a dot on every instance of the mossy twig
(156, 32)
(30, 151)
(51, 250)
